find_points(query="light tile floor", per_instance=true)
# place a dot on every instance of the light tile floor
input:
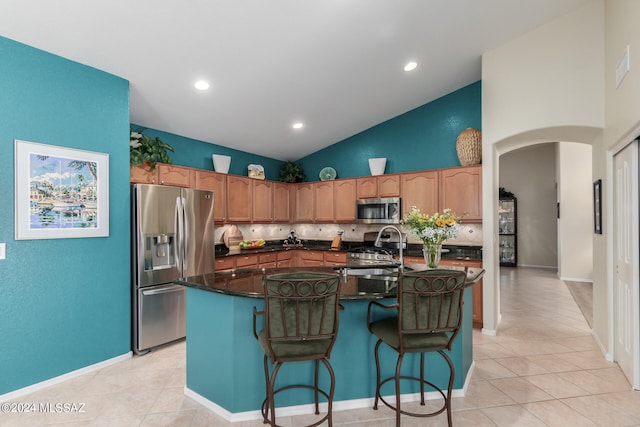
(543, 369)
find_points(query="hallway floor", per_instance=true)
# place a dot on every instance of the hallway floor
(543, 369)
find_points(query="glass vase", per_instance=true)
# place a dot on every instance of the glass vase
(432, 254)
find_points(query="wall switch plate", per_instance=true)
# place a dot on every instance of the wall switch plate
(3, 250)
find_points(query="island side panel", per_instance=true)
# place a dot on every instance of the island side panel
(224, 361)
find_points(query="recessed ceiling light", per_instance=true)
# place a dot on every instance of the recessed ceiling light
(410, 66)
(201, 85)
(298, 125)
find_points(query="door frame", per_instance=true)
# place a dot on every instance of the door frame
(611, 261)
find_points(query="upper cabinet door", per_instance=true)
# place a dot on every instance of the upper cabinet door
(304, 207)
(461, 191)
(216, 182)
(262, 201)
(239, 195)
(323, 194)
(367, 187)
(178, 176)
(344, 199)
(281, 202)
(388, 185)
(420, 189)
(142, 174)
(378, 186)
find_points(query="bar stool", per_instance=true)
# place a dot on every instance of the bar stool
(429, 316)
(301, 324)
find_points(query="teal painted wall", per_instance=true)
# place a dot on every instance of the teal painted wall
(64, 303)
(197, 154)
(423, 138)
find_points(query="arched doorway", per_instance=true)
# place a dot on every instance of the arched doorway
(491, 163)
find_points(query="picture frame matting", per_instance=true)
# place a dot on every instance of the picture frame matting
(60, 192)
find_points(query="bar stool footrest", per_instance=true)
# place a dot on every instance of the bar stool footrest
(292, 386)
(414, 414)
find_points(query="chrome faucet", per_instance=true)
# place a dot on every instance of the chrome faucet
(400, 239)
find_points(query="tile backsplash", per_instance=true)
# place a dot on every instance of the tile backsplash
(470, 234)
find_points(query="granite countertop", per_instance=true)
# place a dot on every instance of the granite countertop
(248, 282)
(277, 245)
(465, 251)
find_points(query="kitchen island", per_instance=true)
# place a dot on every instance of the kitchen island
(224, 361)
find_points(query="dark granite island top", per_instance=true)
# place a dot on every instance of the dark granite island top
(224, 360)
(248, 282)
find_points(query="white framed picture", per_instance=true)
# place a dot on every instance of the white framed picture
(60, 192)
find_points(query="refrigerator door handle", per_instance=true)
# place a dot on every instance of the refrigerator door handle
(179, 227)
(186, 232)
(163, 290)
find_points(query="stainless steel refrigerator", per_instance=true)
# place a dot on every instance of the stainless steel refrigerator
(172, 238)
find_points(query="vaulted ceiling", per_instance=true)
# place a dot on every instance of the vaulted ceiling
(336, 66)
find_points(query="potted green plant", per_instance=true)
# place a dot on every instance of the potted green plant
(144, 150)
(292, 172)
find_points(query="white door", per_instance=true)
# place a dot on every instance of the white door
(626, 296)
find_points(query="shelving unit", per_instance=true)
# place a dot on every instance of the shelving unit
(507, 227)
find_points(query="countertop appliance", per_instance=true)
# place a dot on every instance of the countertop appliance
(172, 238)
(378, 211)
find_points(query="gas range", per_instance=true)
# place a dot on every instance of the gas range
(369, 256)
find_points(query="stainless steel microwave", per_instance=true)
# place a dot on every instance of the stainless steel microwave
(378, 211)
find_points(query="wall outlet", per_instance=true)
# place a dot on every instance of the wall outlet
(3, 250)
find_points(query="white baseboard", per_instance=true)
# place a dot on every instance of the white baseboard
(492, 332)
(341, 405)
(608, 356)
(544, 267)
(575, 279)
(57, 380)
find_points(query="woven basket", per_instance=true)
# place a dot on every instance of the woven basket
(469, 147)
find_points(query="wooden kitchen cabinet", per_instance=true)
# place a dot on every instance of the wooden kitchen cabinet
(247, 261)
(239, 198)
(142, 174)
(282, 202)
(267, 260)
(284, 259)
(461, 191)
(216, 182)
(389, 186)
(303, 205)
(414, 260)
(224, 263)
(420, 189)
(262, 201)
(477, 288)
(335, 258)
(311, 258)
(178, 176)
(344, 200)
(367, 187)
(378, 186)
(323, 201)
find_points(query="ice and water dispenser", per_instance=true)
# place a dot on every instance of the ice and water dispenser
(159, 251)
